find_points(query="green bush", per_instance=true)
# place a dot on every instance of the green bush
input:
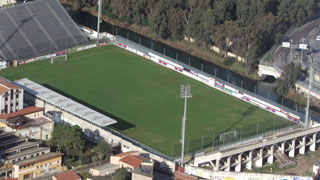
(229, 61)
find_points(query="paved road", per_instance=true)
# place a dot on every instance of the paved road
(309, 32)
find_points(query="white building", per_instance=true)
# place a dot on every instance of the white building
(11, 97)
(7, 2)
(29, 122)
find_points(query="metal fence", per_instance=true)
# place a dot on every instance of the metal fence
(199, 67)
(210, 142)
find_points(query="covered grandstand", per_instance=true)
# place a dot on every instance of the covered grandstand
(36, 28)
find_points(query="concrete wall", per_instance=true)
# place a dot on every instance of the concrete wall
(217, 50)
(96, 133)
(136, 176)
(210, 174)
(268, 70)
(182, 176)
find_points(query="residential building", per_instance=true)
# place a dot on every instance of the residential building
(23, 158)
(38, 166)
(70, 175)
(139, 164)
(145, 172)
(116, 158)
(7, 2)
(29, 122)
(11, 97)
(104, 169)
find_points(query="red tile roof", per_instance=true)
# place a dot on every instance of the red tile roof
(133, 160)
(21, 112)
(71, 175)
(125, 154)
(3, 89)
(8, 84)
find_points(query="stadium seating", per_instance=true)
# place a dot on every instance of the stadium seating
(36, 28)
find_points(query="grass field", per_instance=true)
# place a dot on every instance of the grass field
(144, 97)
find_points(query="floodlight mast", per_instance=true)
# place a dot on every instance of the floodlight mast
(184, 93)
(99, 20)
(309, 90)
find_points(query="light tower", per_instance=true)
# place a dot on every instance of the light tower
(99, 20)
(310, 61)
(184, 93)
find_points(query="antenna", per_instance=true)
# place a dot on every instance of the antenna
(185, 92)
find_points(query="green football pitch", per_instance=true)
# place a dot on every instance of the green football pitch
(144, 98)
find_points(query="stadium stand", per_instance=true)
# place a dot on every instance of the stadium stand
(36, 28)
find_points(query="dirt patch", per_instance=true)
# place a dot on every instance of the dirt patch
(303, 167)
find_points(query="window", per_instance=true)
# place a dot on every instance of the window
(28, 176)
(11, 93)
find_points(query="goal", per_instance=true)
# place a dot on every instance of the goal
(230, 136)
(60, 55)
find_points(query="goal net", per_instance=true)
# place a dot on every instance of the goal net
(230, 136)
(59, 56)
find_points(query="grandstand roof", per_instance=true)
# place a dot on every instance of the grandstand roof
(65, 103)
(36, 28)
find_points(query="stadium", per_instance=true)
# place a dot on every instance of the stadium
(140, 92)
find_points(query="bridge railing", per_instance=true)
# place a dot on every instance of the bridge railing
(251, 140)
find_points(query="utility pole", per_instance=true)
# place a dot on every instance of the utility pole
(309, 89)
(184, 93)
(291, 47)
(99, 20)
(302, 53)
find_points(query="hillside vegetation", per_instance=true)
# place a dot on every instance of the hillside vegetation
(248, 28)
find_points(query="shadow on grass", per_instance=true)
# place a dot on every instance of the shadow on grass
(120, 125)
(248, 112)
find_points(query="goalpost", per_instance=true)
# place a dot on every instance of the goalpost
(230, 136)
(62, 55)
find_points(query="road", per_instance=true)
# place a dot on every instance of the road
(309, 32)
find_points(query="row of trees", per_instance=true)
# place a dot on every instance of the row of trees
(246, 27)
(71, 141)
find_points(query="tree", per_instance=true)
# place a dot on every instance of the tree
(248, 28)
(121, 174)
(288, 78)
(68, 139)
(102, 151)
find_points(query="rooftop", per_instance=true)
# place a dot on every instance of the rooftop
(65, 103)
(3, 89)
(26, 152)
(8, 84)
(38, 159)
(22, 122)
(70, 175)
(125, 154)
(133, 160)
(105, 166)
(21, 112)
